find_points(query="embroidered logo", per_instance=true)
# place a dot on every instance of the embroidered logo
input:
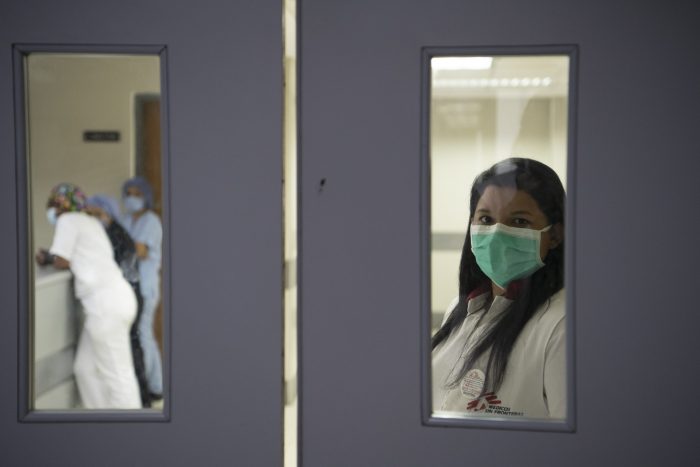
(482, 403)
(473, 383)
(471, 387)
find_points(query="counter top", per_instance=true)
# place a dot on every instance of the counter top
(47, 275)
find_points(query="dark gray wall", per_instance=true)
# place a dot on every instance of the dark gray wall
(635, 254)
(225, 233)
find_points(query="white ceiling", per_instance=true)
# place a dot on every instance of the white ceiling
(508, 75)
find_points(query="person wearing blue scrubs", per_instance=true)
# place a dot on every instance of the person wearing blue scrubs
(146, 230)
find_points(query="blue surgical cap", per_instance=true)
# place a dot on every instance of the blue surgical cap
(143, 186)
(106, 203)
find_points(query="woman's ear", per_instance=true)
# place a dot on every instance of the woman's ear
(556, 235)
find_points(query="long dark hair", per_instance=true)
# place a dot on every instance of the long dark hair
(543, 184)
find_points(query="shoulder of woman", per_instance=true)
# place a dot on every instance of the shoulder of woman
(71, 217)
(558, 300)
(450, 308)
(554, 310)
(151, 217)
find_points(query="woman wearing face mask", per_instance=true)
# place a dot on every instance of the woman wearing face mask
(106, 210)
(103, 367)
(501, 348)
(145, 228)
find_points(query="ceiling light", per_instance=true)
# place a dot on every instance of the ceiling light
(525, 82)
(461, 63)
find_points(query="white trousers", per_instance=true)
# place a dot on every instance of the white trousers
(103, 367)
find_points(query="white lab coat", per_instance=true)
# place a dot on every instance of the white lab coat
(103, 367)
(534, 385)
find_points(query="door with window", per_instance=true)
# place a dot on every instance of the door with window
(369, 134)
(213, 70)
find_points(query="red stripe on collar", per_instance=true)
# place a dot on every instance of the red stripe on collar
(482, 289)
(512, 292)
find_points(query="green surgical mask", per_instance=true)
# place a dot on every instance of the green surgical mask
(505, 253)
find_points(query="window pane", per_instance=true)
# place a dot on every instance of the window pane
(93, 132)
(484, 110)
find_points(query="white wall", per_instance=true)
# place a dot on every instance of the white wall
(68, 94)
(467, 137)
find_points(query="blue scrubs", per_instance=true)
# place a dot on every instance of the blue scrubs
(148, 230)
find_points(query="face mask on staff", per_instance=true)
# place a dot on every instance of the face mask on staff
(133, 204)
(506, 253)
(52, 215)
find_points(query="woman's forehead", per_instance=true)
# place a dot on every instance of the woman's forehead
(499, 198)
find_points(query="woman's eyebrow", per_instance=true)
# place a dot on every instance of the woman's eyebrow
(483, 210)
(520, 213)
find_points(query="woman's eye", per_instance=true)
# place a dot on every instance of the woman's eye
(486, 220)
(520, 222)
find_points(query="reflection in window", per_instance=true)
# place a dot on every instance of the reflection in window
(484, 110)
(93, 123)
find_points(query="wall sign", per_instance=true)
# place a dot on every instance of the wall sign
(101, 136)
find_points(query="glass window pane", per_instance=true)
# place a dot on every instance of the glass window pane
(504, 119)
(93, 154)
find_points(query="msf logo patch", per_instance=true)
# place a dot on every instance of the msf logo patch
(482, 403)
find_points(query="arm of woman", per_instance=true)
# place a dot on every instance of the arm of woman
(141, 250)
(60, 263)
(44, 258)
(64, 241)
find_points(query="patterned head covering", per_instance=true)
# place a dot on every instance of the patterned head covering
(67, 197)
(144, 188)
(106, 203)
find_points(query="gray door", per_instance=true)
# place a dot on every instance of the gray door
(635, 254)
(223, 228)
(360, 252)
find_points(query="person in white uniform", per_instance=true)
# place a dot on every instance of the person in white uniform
(501, 349)
(103, 366)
